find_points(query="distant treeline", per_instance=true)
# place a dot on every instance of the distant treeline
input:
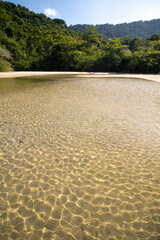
(140, 29)
(30, 41)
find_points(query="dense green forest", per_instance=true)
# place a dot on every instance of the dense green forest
(30, 41)
(140, 29)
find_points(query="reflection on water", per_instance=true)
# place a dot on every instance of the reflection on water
(80, 159)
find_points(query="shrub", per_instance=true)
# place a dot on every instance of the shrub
(5, 65)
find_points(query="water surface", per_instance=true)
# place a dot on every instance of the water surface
(80, 159)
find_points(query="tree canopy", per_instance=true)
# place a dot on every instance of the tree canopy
(139, 29)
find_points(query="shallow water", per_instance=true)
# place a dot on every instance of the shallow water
(80, 159)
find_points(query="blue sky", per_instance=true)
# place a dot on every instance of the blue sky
(95, 11)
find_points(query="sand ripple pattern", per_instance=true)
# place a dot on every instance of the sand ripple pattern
(79, 159)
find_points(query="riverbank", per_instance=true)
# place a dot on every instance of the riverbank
(150, 77)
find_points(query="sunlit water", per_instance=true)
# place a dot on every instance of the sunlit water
(79, 159)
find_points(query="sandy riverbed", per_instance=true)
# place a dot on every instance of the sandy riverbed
(151, 77)
(79, 157)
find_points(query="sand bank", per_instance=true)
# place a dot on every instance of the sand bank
(151, 77)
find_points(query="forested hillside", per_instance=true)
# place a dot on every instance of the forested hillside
(30, 41)
(140, 29)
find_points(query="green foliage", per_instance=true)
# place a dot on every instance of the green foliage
(140, 29)
(5, 58)
(5, 65)
(115, 55)
(5, 53)
(146, 60)
(30, 41)
(91, 36)
(155, 37)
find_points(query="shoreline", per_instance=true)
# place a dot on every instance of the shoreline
(151, 77)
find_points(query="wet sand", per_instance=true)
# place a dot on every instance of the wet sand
(79, 158)
(152, 77)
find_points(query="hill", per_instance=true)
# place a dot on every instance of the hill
(27, 37)
(30, 41)
(140, 29)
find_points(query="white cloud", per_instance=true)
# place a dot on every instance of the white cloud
(51, 12)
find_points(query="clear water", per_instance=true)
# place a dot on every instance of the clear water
(79, 159)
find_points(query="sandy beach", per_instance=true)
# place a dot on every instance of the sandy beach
(150, 77)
